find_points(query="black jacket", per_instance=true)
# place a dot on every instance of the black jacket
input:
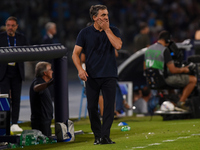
(20, 41)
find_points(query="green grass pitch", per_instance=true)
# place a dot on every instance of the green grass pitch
(145, 133)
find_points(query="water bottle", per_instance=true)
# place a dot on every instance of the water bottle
(125, 128)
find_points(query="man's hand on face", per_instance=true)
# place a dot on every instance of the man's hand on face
(104, 24)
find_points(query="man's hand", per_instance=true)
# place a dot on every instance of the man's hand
(82, 74)
(42, 86)
(104, 24)
(185, 69)
(176, 70)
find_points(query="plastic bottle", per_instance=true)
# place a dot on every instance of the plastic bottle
(125, 128)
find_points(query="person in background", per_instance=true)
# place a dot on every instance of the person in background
(49, 37)
(99, 42)
(121, 103)
(141, 103)
(158, 56)
(12, 73)
(40, 98)
(142, 39)
(137, 93)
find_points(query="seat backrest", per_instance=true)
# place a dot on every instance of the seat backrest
(155, 78)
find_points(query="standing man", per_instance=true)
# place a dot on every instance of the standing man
(99, 42)
(49, 37)
(12, 73)
(40, 98)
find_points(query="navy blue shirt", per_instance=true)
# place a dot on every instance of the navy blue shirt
(41, 102)
(100, 54)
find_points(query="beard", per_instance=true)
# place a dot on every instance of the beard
(10, 32)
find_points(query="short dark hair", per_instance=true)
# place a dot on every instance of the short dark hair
(165, 35)
(94, 9)
(12, 18)
(146, 91)
(40, 68)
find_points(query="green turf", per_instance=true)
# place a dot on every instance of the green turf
(155, 134)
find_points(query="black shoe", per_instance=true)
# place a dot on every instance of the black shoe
(106, 140)
(97, 141)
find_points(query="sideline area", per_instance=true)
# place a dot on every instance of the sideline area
(146, 134)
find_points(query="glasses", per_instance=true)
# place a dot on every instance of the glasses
(9, 25)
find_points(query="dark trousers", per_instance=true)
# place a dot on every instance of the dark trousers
(108, 88)
(43, 126)
(13, 84)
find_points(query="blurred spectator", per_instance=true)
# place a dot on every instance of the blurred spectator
(49, 37)
(121, 103)
(137, 93)
(142, 40)
(141, 103)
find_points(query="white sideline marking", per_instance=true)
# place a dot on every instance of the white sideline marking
(154, 144)
(164, 141)
(139, 147)
(186, 137)
(168, 141)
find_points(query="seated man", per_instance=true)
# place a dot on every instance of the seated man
(40, 98)
(158, 56)
(141, 104)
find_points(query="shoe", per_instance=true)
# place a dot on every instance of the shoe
(181, 105)
(15, 128)
(97, 141)
(107, 140)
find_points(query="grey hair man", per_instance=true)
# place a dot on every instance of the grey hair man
(40, 98)
(51, 31)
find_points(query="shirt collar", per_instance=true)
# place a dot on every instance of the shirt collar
(50, 36)
(96, 29)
